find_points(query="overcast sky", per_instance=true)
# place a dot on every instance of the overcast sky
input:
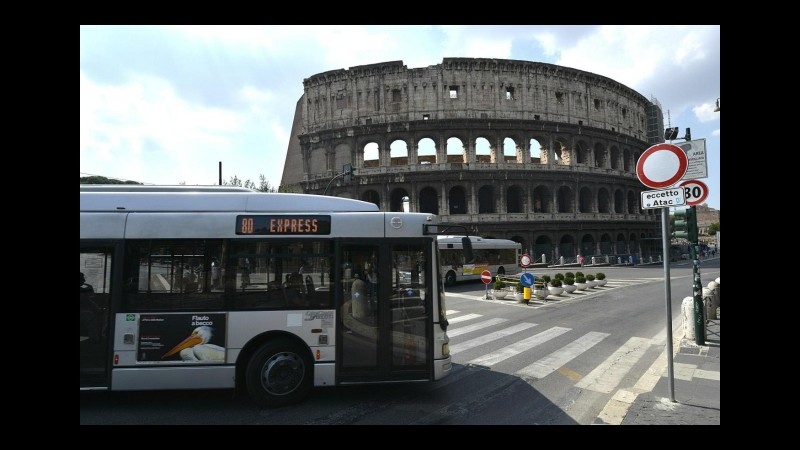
(166, 104)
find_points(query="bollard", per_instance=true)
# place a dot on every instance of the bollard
(544, 258)
(689, 326)
(561, 259)
(526, 294)
(714, 287)
(708, 304)
(718, 299)
(619, 260)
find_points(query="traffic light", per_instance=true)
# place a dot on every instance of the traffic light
(685, 225)
(347, 169)
(671, 133)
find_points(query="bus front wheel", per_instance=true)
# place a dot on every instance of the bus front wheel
(450, 278)
(280, 373)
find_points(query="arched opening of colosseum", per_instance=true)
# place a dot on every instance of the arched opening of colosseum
(483, 151)
(398, 152)
(457, 200)
(587, 245)
(561, 153)
(535, 156)
(542, 200)
(371, 155)
(372, 196)
(565, 201)
(429, 200)
(566, 247)
(486, 199)
(543, 246)
(605, 244)
(456, 153)
(585, 205)
(634, 244)
(396, 199)
(626, 160)
(426, 151)
(582, 152)
(520, 240)
(621, 243)
(619, 202)
(614, 157)
(509, 150)
(603, 201)
(599, 155)
(631, 203)
(515, 200)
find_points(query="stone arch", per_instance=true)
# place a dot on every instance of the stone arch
(429, 200)
(620, 244)
(486, 203)
(582, 152)
(457, 200)
(614, 157)
(510, 152)
(586, 202)
(587, 245)
(603, 201)
(542, 199)
(398, 153)
(606, 247)
(535, 151)
(600, 159)
(543, 246)
(619, 202)
(632, 204)
(396, 199)
(565, 200)
(515, 199)
(456, 152)
(426, 151)
(371, 155)
(566, 246)
(483, 153)
(626, 160)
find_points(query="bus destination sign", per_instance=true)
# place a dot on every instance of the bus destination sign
(271, 225)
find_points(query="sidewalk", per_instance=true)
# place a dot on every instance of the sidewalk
(696, 387)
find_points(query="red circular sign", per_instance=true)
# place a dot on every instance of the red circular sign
(695, 192)
(661, 165)
(486, 277)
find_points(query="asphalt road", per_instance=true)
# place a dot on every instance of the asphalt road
(556, 362)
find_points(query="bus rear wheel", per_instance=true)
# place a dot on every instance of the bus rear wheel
(280, 373)
(450, 278)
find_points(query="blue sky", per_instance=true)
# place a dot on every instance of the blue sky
(166, 104)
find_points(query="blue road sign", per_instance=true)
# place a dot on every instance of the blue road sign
(527, 279)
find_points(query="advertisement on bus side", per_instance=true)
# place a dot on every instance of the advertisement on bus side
(194, 338)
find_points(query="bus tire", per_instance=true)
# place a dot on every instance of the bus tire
(280, 373)
(450, 278)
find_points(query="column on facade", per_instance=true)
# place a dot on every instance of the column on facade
(441, 149)
(443, 209)
(493, 145)
(470, 149)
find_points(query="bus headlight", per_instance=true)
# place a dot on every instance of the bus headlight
(445, 349)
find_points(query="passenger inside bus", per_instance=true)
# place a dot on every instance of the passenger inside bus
(90, 328)
(293, 290)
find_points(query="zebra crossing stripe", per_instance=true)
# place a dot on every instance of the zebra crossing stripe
(463, 318)
(552, 362)
(605, 377)
(480, 340)
(474, 327)
(518, 347)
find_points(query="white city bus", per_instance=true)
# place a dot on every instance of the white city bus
(270, 293)
(498, 256)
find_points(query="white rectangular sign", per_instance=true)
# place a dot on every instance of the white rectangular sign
(696, 153)
(663, 198)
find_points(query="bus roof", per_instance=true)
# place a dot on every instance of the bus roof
(474, 239)
(108, 198)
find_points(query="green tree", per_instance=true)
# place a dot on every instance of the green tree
(96, 179)
(262, 186)
(713, 229)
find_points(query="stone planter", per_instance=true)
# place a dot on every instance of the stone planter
(519, 297)
(541, 294)
(601, 282)
(555, 290)
(570, 288)
(591, 284)
(580, 286)
(499, 294)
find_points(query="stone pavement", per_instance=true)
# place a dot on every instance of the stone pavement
(696, 387)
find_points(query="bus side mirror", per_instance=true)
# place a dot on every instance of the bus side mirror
(466, 246)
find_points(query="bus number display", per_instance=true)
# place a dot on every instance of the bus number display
(283, 225)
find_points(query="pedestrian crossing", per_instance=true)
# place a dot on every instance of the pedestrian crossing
(533, 352)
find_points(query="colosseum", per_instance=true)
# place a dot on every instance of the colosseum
(541, 154)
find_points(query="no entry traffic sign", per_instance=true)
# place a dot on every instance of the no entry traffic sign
(486, 277)
(661, 165)
(695, 192)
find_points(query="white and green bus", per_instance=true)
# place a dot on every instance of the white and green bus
(268, 293)
(498, 256)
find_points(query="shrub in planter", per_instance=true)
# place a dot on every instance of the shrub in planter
(579, 274)
(569, 281)
(569, 275)
(499, 284)
(519, 287)
(558, 276)
(556, 283)
(569, 285)
(546, 279)
(589, 277)
(600, 276)
(580, 278)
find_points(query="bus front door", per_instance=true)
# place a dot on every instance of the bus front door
(385, 312)
(95, 314)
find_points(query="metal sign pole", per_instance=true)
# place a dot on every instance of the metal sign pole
(667, 281)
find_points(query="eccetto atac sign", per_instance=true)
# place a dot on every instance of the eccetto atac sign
(663, 198)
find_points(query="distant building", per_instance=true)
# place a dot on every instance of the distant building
(541, 154)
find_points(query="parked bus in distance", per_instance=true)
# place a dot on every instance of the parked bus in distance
(205, 287)
(498, 256)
